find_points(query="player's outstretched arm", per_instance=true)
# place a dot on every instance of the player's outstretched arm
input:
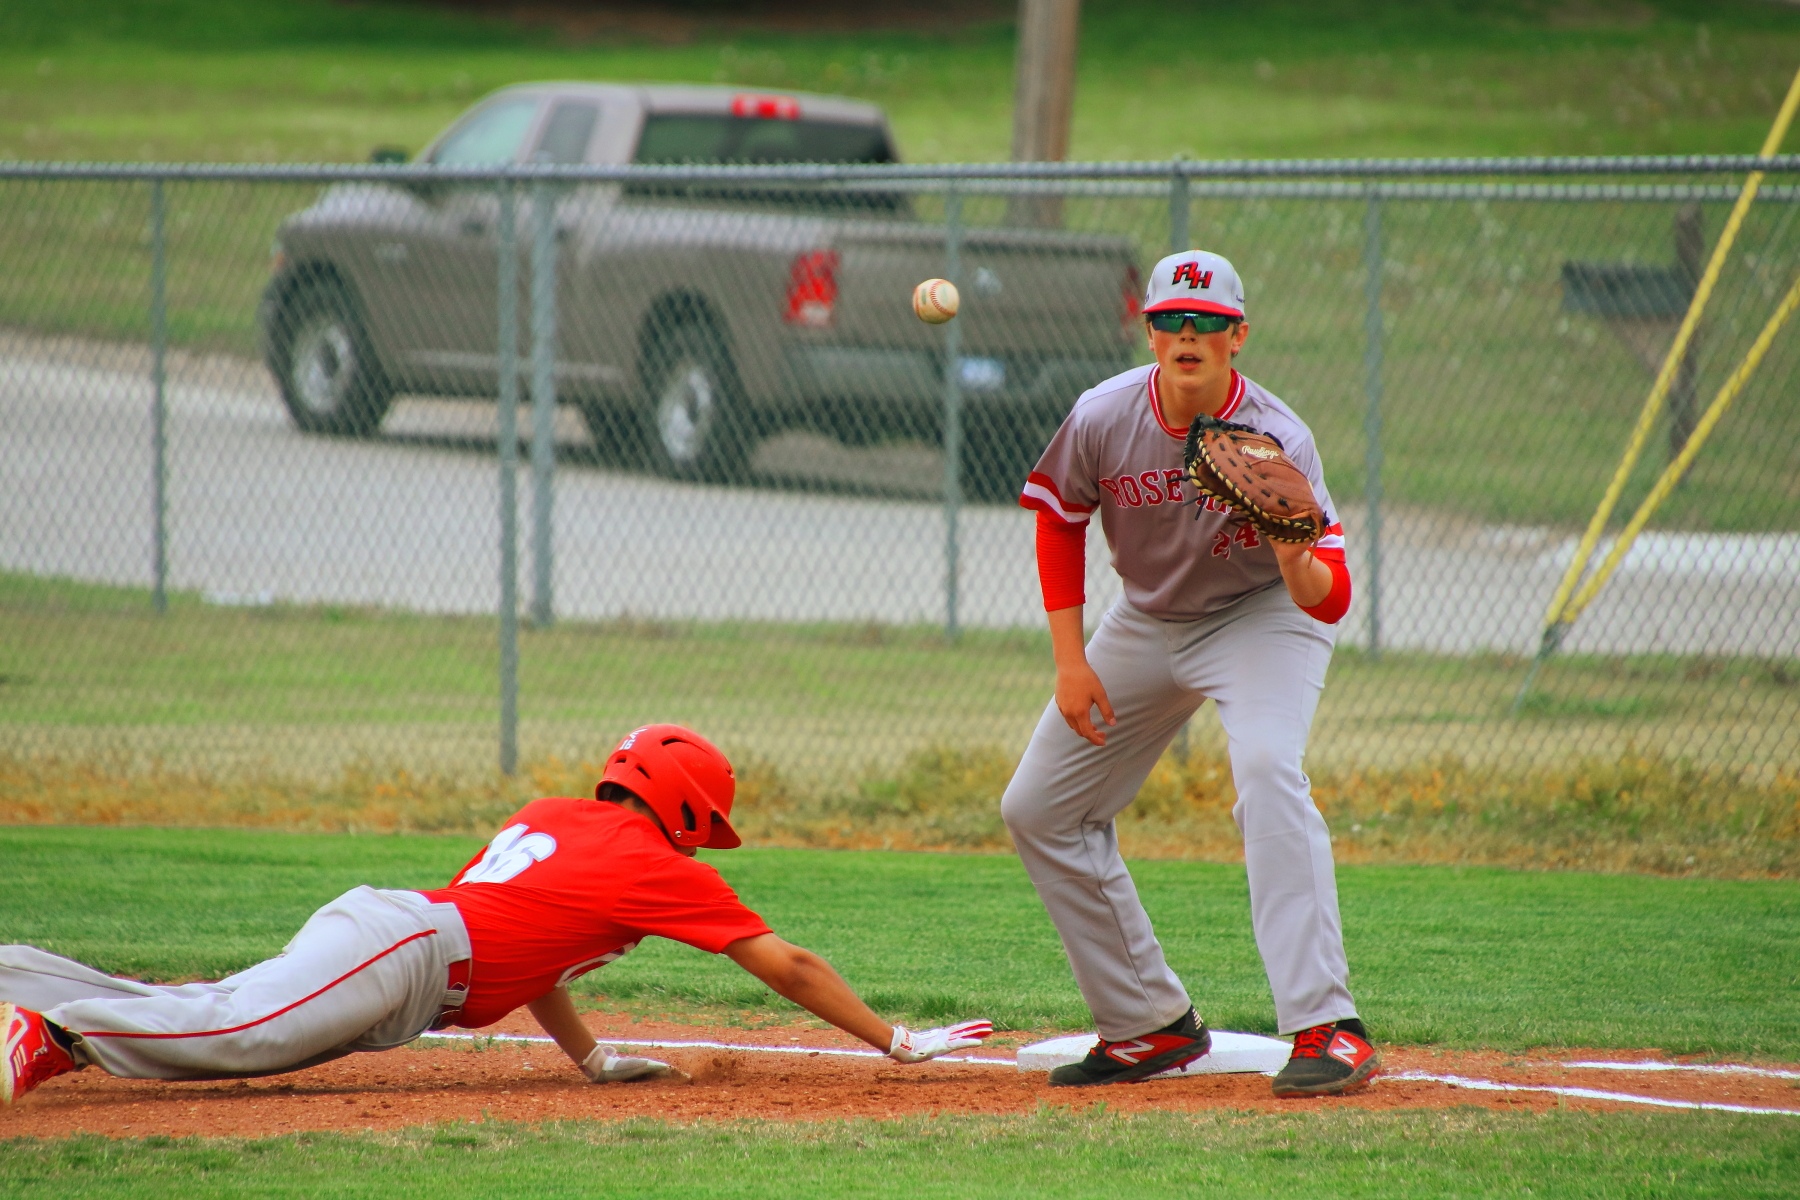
(809, 981)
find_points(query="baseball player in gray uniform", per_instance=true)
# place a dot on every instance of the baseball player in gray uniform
(1211, 609)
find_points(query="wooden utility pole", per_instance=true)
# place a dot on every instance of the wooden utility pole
(1044, 96)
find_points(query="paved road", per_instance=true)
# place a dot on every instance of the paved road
(408, 519)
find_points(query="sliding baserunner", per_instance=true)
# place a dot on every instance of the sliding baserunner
(568, 885)
(1210, 609)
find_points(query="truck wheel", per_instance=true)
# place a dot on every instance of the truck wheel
(322, 359)
(694, 427)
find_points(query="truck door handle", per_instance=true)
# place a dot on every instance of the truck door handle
(474, 226)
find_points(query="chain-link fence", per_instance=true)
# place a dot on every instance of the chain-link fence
(251, 513)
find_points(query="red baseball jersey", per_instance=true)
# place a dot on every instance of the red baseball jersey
(570, 885)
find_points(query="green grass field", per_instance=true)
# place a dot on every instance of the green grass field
(314, 81)
(1057, 1153)
(91, 670)
(1457, 957)
(854, 736)
(346, 718)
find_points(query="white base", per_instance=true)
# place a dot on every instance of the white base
(1231, 1054)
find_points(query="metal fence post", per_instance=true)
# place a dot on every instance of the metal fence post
(953, 430)
(1372, 414)
(1178, 209)
(543, 399)
(507, 364)
(159, 411)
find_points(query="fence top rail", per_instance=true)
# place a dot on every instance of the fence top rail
(1339, 189)
(1315, 168)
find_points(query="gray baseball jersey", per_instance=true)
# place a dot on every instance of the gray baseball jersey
(1116, 453)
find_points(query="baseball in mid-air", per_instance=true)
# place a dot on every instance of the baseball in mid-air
(936, 301)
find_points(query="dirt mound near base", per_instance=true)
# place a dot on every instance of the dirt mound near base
(459, 1081)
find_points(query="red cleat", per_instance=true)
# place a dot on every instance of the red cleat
(1166, 1049)
(32, 1055)
(1328, 1059)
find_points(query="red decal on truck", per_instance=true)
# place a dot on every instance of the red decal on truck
(780, 108)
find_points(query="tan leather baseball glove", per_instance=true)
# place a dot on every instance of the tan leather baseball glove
(1248, 470)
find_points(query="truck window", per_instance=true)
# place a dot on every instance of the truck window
(567, 132)
(674, 138)
(717, 138)
(489, 138)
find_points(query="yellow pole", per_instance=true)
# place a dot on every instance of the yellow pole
(1673, 472)
(1557, 618)
(1659, 391)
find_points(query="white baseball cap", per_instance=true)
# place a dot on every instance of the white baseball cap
(1195, 281)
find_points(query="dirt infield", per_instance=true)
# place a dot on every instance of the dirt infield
(512, 1081)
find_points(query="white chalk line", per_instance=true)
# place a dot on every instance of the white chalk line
(1488, 1085)
(1481, 1085)
(1706, 1068)
(618, 1041)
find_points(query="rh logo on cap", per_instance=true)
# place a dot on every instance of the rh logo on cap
(1177, 277)
(1191, 272)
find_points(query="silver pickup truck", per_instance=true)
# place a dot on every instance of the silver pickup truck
(694, 318)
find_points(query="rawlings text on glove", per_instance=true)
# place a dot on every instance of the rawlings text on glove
(1249, 471)
(910, 1047)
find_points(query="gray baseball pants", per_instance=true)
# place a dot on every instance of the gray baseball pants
(1262, 661)
(366, 972)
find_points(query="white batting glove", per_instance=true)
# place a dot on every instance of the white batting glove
(607, 1065)
(910, 1047)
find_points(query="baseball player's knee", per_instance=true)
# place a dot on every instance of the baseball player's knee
(1033, 818)
(1281, 814)
(1273, 792)
(1022, 811)
(1255, 766)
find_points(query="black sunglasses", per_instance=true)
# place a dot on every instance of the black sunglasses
(1171, 322)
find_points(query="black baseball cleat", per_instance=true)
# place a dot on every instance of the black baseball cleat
(1328, 1059)
(1174, 1045)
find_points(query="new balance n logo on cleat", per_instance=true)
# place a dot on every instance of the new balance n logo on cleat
(1130, 1059)
(1348, 1050)
(1132, 1052)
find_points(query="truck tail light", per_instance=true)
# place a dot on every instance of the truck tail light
(777, 108)
(1133, 286)
(812, 288)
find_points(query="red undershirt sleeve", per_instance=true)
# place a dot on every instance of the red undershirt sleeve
(1062, 562)
(1336, 603)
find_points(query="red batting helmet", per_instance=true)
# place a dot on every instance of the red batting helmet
(683, 778)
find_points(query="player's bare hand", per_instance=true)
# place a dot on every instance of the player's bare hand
(607, 1065)
(1078, 693)
(910, 1047)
